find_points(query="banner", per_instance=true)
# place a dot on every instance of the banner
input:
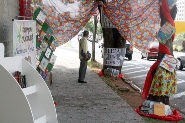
(24, 40)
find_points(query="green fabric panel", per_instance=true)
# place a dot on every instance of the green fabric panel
(45, 26)
(38, 44)
(49, 31)
(50, 67)
(41, 56)
(51, 39)
(36, 12)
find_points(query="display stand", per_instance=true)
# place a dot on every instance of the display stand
(33, 104)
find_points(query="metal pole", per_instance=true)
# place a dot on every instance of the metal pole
(94, 37)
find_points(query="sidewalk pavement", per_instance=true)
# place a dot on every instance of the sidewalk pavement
(92, 102)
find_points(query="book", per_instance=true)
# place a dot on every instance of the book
(53, 59)
(38, 53)
(171, 3)
(165, 33)
(43, 64)
(169, 63)
(43, 46)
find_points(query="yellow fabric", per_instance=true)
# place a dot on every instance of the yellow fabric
(163, 83)
(83, 45)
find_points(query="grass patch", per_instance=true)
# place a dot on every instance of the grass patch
(94, 64)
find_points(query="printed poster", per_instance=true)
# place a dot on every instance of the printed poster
(38, 53)
(114, 56)
(24, 40)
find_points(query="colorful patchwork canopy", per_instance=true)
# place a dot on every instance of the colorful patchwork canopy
(137, 20)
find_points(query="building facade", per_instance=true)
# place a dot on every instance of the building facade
(9, 9)
(180, 17)
(180, 10)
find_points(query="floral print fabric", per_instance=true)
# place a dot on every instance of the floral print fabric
(67, 17)
(137, 20)
(163, 83)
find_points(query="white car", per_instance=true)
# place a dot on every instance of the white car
(100, 43)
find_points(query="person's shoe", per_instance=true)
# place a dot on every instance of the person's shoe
(79, 81)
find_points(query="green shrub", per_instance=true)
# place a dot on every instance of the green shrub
(179, 48)
(174, 47)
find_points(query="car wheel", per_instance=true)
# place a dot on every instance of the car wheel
(130, 57)
(181, 66)
(147, 57)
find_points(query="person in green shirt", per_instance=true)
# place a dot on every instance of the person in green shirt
(83, 48)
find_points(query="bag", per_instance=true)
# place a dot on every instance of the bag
(88, 54)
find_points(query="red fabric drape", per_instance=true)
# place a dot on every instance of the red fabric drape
(162, 49)
(166, 13)
(173, 117)
(22, 10)
(119, 76)
(25, 8)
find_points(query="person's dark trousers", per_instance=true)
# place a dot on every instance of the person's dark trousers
(82, 69)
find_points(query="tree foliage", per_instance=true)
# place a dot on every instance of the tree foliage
(89, 26)
(99, 29)
(180, 37)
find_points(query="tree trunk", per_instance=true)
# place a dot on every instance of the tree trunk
(169, 44)
(112, 39)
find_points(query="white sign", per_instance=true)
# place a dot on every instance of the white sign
(106, 23)
(24, 40)
(41, 17)
(53, 59)
(114, 56)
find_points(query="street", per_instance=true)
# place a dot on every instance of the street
(136, 70)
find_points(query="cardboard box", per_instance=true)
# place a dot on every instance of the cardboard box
(159, 109)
